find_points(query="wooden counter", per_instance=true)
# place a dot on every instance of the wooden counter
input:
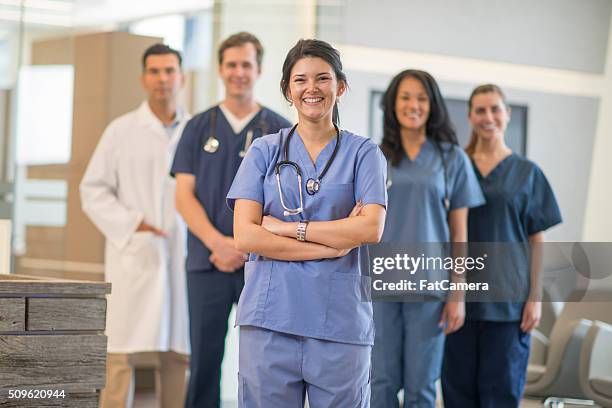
(52, 338)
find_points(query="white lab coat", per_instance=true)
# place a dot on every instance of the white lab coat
(127, 181)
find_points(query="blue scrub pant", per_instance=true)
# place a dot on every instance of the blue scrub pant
(485, 365)
(407, 353)
(211, 294)
(277, 370)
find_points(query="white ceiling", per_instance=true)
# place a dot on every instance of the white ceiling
(90, 13)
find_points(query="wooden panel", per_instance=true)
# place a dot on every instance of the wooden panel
(47, 172)
(39, 233)
(12, 314)
(19, 284)
(52, 52)
(66, 314)
(68, 362)
(57, 274)
(45, 242)
(72, 400)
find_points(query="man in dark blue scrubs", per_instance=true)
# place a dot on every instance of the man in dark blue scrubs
(206, 161)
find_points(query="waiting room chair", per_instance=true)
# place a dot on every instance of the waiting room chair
(596, 363)
(553, 371)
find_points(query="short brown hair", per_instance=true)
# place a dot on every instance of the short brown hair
(160, 49)
(239, 39)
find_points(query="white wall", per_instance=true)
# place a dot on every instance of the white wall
(598, 220)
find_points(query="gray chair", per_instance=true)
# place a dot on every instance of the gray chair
(596, 363)
(553, 371)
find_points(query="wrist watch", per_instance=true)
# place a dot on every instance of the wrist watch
(300, 232)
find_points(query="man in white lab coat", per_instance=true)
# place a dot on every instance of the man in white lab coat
(128, 194)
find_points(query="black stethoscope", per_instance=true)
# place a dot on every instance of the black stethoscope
(445, 170)
(312, 184)
(211, 145)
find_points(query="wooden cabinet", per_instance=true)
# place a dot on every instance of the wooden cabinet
(52, 338)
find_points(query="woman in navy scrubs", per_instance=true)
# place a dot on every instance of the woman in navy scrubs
(431, 186)
(485, 361)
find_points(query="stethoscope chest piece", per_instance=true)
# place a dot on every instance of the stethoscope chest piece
(211, 145)
(313, 186)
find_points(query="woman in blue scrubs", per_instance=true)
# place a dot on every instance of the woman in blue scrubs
(305, 199)
(432, 184)
(485, 362)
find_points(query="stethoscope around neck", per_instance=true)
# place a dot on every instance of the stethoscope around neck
(446, 200)
(211, 145)
(313, 185)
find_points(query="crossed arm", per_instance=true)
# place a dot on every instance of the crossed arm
(273, 238)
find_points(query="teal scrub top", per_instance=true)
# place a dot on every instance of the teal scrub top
(416, 196)
(321, 299)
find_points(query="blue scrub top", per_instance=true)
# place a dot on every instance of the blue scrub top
(318, 299)
(520, 203)
(214, 172)
(416, 197)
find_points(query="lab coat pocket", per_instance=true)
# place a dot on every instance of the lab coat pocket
(143, 253)
(349, 313)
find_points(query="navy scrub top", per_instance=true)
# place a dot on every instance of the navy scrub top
(520, 203)
(416, 210)
(215, 172)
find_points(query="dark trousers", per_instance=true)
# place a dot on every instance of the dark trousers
(211, 294)
(485, 365)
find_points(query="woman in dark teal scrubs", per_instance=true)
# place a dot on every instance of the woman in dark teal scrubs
(431, 186)
(486, 360)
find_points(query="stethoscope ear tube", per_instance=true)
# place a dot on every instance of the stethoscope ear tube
(312, 184)
(212, 143)
(289, 211)
(247, 143)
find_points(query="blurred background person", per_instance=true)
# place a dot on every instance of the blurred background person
(431, 186)
(207, 158)
(127, 193)
(485, 362)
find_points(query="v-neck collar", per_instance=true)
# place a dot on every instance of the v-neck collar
(312, 169)
(249, 125)
(495, 169)
(426, 145)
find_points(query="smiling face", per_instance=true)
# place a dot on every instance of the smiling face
(313, 89)
(489, 115)
(162, 77)
(239, 70)
(412, 104)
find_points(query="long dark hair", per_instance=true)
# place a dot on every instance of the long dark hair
(318, 49)
(437, 128)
